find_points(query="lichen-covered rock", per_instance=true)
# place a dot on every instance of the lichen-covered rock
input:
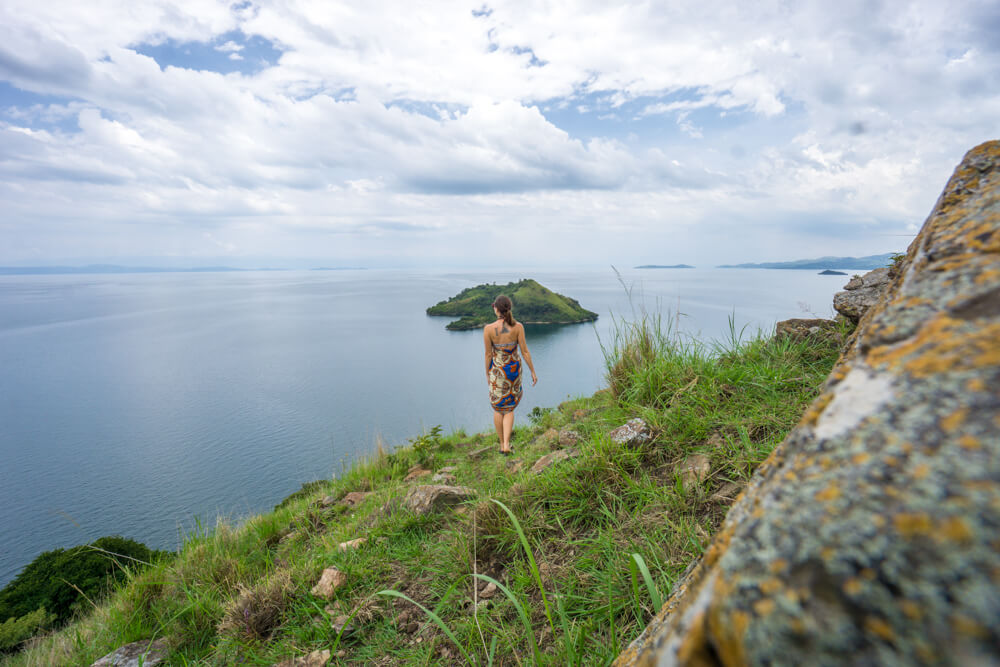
(861, 293)
(800, 329)
(568, 437)
(435, 497)
(631, 433)
(871, 535)
(143, 652)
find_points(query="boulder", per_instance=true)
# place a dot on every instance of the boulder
(436, 497)
(552, 458)
(869, 536)
(144, 652)
(631, 433)
(861, 294)
(331, 579)
(568, 437)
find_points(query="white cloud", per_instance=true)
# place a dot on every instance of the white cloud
(689, 124)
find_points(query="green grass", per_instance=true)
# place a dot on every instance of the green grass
(581, 556)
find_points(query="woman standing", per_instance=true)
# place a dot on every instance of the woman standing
(503, 368)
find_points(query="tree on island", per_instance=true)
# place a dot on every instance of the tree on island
(533, 304)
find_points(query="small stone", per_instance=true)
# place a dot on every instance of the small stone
(477, 454)
(341, 653)
(489, 591)
(550, 459)
(340, 625)
(331, 580)
(327, 501)
(314, 659)
(351, 545)
(444, 478)
(435, 497)
(145, 652)
(568, 437)
(354, 498)
(416, 472)
(695, 468)
(449, 469)
(631, 433)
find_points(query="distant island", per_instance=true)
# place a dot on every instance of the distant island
(869, 262)
(665, 266)
(828, 272)
(533, 304)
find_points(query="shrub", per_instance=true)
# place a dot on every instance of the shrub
(14, 631)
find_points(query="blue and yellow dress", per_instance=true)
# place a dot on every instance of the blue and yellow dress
(505, 377)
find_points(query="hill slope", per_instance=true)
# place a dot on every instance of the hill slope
(533, 304)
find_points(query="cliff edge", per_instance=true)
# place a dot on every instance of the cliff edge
(871, 535)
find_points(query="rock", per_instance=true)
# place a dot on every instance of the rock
(552, 458)
(449, 469)
(568, 437)
(314, 659)
(327, 501)
(351, 545)
(726, 492)
(416, 472)
(799, 329)
(580, 414)
(331, 579)
(631, 433)
(145, 652)
(861, 294)
(436, 497)
(515, 465)
(694, 469)
(477, 454)
(548, 439)
(488, 591)
(340, 624)
(444, 478)
(354, 498)
(869, 536)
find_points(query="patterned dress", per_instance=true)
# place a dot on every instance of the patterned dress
(505, 377)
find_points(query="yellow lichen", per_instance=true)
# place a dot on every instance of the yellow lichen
(921, 470)
(764, 607)
(828, 494)
(977, 384)
(964, 625)
(778, 565)
(852, 586)
(912, 610)
(879, 627)
(912, 524)
(770, 586)
(954, 420)
(955, 529)
(969, 442)
(861, 457)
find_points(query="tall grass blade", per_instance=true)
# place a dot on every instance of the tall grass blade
(531, 561)
(521, 612)
(637, 565)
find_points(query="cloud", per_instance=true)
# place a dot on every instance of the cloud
(659, 121)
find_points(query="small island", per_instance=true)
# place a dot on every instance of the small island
(831, 272)
(533, 304)
(665, 266)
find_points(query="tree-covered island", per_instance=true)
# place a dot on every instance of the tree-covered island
(533, 304)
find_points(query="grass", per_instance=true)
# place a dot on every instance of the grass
(579, 557)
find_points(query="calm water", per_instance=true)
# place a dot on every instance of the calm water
(137, 404)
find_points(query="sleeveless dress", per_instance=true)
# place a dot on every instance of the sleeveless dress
(505, 377)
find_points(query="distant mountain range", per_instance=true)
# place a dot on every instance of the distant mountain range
(665, 266)
(114, 268)
(869, 262)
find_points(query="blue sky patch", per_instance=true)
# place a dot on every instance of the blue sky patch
(228, 53)
(38, 112)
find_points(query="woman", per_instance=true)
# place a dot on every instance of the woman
(503, 368)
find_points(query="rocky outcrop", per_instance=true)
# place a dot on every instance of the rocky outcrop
(144, 652)
(800, 329)
(861, 293)
(436, 497)
(869, 536)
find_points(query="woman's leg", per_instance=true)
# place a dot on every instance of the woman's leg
(508, 426)
(498, 425)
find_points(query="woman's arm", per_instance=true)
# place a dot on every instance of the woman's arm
(489, 348)
(523, 344)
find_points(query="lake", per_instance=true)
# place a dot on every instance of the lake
(138, 404)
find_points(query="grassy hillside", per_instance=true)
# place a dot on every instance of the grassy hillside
(563, 566)
(533, 304)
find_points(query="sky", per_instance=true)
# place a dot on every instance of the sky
(300, 133)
